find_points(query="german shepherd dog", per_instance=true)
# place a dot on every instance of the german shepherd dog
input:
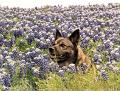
(66, 50)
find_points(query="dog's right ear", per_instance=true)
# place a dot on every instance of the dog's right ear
(74, 37)
(58, 34)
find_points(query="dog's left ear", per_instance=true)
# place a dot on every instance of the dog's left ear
(58, 34)
(74, 37)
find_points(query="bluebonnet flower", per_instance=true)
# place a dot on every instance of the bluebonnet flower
(113, 68)
(5, 79)
(108, 44)
(30, 39)
(114, 54)
(36, 71)
(15, 54)
(96, 38)
(61, 73)
(44, 64)
(11, 66)
(12, 41)
(23, 69)
(83, 68)
(53, 67)
(104, 74)
(31, 54)
(71, 68)
(85, 42)
(41, 44)
(1, 39)
(5, 53)
(97, 58)
(1, 61)
(18, 33)
(100, 48)
(5, 88)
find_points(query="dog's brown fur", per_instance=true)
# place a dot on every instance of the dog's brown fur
(66, 50)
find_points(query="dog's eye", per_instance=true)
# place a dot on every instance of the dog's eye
(62, 45)
(53, 44)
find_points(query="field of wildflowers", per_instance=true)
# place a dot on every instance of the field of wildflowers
(26, 34)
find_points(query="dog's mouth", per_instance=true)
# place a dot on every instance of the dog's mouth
(58, 57)
(52, 56)
(63, 57)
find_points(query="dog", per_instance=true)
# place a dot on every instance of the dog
(66, 50)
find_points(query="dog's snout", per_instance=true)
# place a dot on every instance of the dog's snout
(51, 50)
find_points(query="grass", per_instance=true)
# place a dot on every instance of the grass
(22, 86)
(70, 82)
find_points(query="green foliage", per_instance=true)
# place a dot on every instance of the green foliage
(22, 86)
(24, 83)
(31, 80)
(78, 82)
(22, 44)
(0, 87)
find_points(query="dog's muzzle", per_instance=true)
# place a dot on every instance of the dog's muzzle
(63, 56)
(52, 51)
(60, 57)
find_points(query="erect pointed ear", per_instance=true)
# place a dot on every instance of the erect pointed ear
(58, 34)
(74, 37)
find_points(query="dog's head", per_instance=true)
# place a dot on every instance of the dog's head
(64, 48)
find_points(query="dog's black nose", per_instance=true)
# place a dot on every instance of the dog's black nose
(51, 50)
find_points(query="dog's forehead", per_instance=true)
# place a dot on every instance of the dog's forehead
(64, 40)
